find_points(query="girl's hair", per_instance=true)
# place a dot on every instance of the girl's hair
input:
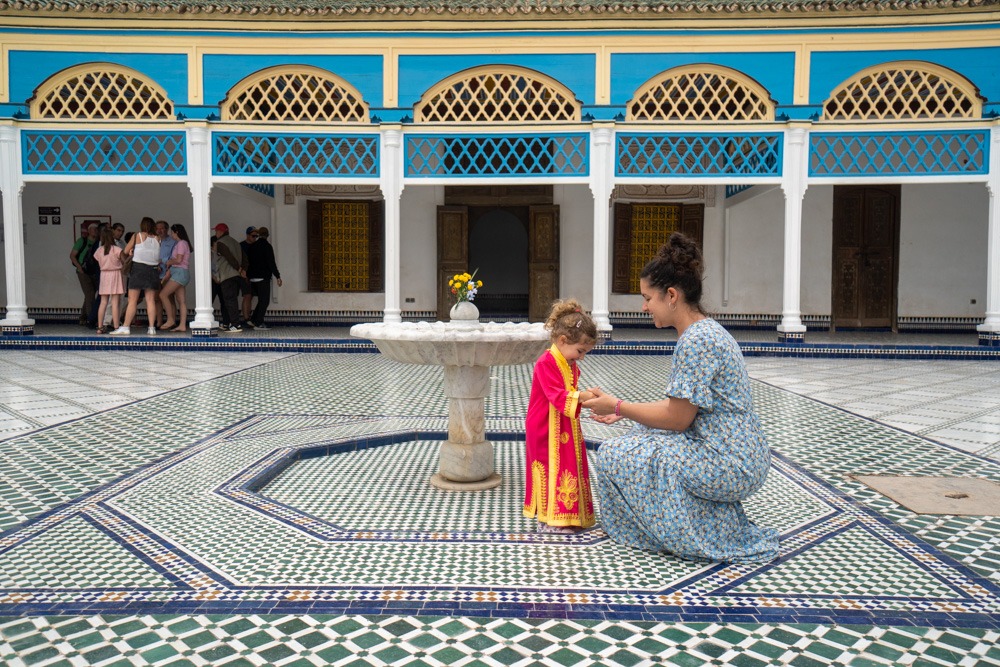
(678, 264)
(182, 234)
(107, 239)
(147, 226)
(568, 319)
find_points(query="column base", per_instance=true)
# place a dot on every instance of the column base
(17, 327)
(203, 332)
(989, 338)
(792, 337)
(441, 482)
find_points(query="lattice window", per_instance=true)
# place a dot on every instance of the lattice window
(100, 91)
(345, 247)
(652, 225)
(701, 92)
(301, 93)
(492, 94)
(639, 231)
(902, 91)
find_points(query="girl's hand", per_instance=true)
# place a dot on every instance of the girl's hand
(601, 403)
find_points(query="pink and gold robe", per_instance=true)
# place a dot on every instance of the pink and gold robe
(557, 488)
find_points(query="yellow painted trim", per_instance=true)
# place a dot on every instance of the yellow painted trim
(800, 85)
(4, 73)
(602, 77)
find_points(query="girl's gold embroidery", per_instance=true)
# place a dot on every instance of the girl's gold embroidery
(568, 493)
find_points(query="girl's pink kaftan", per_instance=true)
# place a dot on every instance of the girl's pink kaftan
(557, 480)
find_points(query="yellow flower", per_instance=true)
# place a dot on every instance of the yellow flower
(479, 283)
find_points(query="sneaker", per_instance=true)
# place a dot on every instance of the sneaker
(121, 331)
(232, 328)
(151, 331)
(250, 324)
(262, 327)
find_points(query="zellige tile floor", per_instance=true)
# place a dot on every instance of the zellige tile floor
(209, 508)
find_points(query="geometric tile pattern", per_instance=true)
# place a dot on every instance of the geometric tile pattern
(381, 640)
(151, 533)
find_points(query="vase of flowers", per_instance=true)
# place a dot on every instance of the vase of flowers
(464, 288)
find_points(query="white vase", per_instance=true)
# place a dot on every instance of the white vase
(464, 312)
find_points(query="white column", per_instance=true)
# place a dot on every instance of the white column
(990, 328)
(391, 182)
(16, 320)
(793, 183)
(601, 182)
(199, 152)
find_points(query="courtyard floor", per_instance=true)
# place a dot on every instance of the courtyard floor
(273, 508)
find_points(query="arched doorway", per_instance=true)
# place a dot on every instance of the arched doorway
(511, 233)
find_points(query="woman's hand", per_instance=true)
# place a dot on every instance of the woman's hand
(601, 403)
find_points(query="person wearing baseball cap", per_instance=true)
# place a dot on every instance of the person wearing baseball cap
(232, 267)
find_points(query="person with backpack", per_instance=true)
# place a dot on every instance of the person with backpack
(82, 250)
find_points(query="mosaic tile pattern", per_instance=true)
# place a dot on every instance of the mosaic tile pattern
(131, 535)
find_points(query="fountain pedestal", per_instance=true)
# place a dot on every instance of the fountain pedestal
(466, 352)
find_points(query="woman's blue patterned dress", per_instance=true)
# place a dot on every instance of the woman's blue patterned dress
(681, 492)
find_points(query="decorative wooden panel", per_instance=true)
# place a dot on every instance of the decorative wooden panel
(453, 252)
(295, 93)
(622, 250)
(497, 94)
(543, 260)
(701, 92)
(100, 91)
(902, 91)
(865, 237)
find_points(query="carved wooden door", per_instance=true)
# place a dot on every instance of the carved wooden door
(865, 242)
(453, 252)
(543, 260)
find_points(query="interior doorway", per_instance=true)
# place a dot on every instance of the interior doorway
(498, 248)
(865, 256)
(511, 234)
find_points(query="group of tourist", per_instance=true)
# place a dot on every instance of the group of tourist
(154, 264)
(674, 483)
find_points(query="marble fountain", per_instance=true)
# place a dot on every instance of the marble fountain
(466, 349)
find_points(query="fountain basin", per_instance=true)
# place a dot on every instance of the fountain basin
(466, 350)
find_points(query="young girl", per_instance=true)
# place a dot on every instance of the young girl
(558, 482)
(111, 288)
(176, 279)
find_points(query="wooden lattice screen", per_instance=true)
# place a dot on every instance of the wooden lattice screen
(701, 93)
(100, 91)
(297, 93)
(493, 94)
(901, 91)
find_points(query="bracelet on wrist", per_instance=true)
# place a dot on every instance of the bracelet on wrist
(618, 408)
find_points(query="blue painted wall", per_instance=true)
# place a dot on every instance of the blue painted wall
(775, 71)
(978, 65)
(222, 72)
(29, 69)
(418, 73)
